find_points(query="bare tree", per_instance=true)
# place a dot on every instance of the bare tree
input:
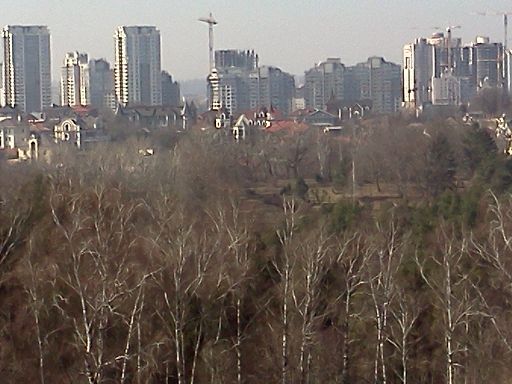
(295, 149)
(36, 304)
(96, 233)
(185, 258)
(12, 232)
(307, 291)
(133, 321)
(382, 271)
(404, 315)
(284, 267)
(495, 251)
(352, 257)
(448, 287)
(323, 154)
(228, 222)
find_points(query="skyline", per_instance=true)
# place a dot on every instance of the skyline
(292, 35)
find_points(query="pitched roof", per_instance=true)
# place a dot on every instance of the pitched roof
(149, 111)
(286, 125)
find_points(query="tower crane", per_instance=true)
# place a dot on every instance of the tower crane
(449, 30)
(505, 34)
(211, 23)
(505, 23)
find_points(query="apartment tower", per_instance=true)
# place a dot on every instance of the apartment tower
(101, 82)
(27, 67)
(137, 68)
(74, 81)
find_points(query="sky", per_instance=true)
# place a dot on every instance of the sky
(290, 34)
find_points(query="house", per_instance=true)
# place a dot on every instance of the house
(16, 139)
(222, 119)
(79, 132)
(287, 126)
(347, 109)
(316, 117)
(157, 116)
(9, 113)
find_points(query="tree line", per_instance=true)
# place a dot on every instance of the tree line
(120, 268)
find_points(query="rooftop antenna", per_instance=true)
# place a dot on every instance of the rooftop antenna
(211, 22)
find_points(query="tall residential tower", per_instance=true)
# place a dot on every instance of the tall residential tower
(27, 67)
(228, 82)
(101, 82)
(324, 81)
(74, 80)
(137, 68)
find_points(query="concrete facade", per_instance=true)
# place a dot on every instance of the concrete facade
(137, 68)
(170, 90)
(74, 80)
(27, 67)
(271, 88)
(101, 82)
(324, 81)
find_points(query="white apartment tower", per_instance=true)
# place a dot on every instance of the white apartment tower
(418, 71)
(27, 67)
(74, 80)
(137, 68)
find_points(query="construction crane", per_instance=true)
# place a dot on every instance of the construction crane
(505, 23)
(449, 30)
(505, 35)
(211, 23)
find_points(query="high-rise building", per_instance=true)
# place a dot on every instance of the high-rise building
(170, 90)
(376, 80)
(508, 70)
(441, 70)
(137, 66)
(235, 58)
(418, 71)
(228, 84)
(101, 83)
(446, 89)
(271, 88)
(298, 101)
(2, 95)
(27, 67)
(323, 82)
(488, 59)
(234, 90)
(74, 81)
(238, 83)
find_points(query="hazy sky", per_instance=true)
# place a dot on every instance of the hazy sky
(291, 34)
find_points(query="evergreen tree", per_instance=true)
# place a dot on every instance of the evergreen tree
(440, 166)
(479, 148)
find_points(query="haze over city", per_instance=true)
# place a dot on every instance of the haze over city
(290, 34)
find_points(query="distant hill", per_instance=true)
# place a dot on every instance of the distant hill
(193, 88)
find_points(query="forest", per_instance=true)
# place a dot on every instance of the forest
(383, 255)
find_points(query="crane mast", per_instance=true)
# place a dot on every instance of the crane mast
(449, 45)
(211, 23)
(505, 36)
